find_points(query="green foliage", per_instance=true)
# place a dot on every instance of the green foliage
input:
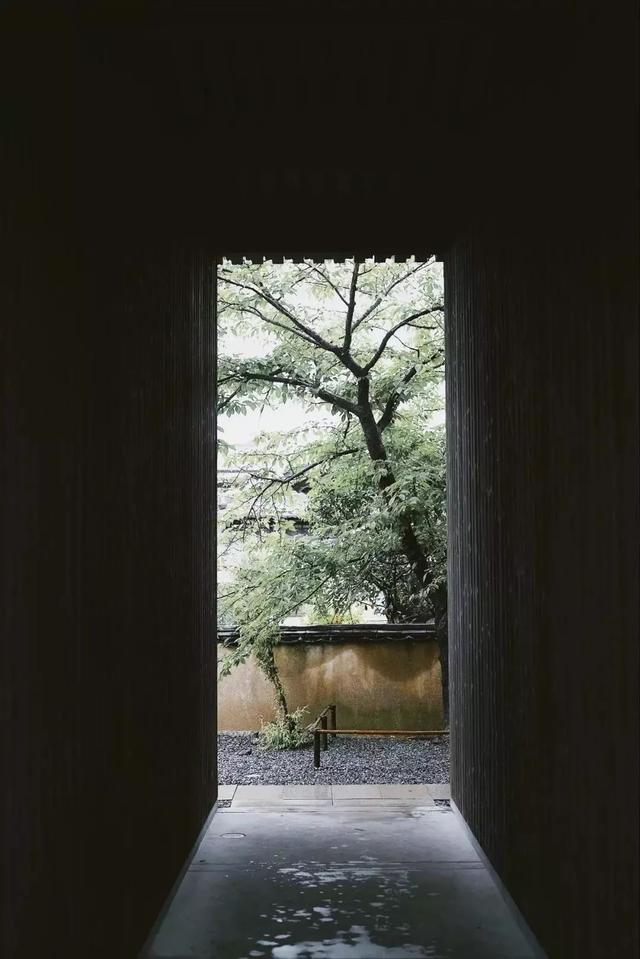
(286, 732)
(365, 472)
(352, 552)
(320, 615)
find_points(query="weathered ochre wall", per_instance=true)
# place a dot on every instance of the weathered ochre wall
(375, 685)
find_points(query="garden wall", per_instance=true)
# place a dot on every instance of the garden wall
(380, 678)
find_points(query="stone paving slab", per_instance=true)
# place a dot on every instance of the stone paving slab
(322, 795)
(390, 791)
(356, 792)
(258, 794)
(226, 792)
(282, 796)
(427, 803)
(439, 790)
(307, 792)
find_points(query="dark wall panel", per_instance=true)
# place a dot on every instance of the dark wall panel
(108, 716)
(107, 506)
(542, 419)
(542, 413)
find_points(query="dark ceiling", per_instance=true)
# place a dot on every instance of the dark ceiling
(348, 128)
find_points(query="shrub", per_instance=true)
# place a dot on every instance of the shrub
(286, 731)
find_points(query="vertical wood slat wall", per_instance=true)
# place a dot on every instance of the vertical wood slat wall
(542, 419)
(107, 507)
(108, 721)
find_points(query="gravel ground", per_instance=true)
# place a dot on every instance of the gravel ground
(349, 760)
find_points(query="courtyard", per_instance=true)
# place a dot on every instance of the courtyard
(349, 760)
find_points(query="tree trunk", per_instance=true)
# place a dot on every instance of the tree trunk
(267, 661)
(378, 453)
(281, 699)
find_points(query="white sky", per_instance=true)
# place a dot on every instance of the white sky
(241, 429)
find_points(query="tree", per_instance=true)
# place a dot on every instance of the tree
(364, 341)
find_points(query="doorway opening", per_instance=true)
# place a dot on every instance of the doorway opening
(332, 582)
(332, 524)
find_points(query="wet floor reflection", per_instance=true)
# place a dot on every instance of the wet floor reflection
(341, 912)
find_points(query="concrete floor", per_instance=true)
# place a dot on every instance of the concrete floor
(310, 881)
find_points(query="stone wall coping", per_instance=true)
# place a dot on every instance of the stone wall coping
(343, 633)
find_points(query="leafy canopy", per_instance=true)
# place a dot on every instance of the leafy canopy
(319, 330)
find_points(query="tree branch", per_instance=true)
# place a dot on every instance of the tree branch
(244, 307)
(385, 339)
(330, 283)
(275, 377)
(397, 397)
(394, 400)
(222, 404)
(281, 308)
(351, 306)
(286, 480)
(374, 306)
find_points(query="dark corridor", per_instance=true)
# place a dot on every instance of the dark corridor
(138, 145)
